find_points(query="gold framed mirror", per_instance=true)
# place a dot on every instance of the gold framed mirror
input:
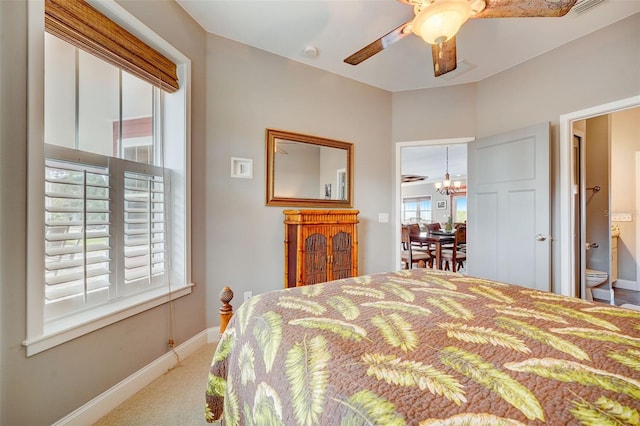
(305, 170)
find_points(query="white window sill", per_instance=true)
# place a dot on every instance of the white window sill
(68, 328)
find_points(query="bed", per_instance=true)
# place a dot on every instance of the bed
(425, 347)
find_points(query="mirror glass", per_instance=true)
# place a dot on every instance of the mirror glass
(304, 170)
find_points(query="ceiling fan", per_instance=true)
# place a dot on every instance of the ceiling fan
(413, 178)
(438, 21)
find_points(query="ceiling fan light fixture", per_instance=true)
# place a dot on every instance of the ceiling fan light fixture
(441, 20)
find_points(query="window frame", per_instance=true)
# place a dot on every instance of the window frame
(41, 336)
(418, 199)
(454, 204)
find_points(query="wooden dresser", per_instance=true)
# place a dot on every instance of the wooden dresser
(319, 246)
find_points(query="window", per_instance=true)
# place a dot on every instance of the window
(460, 208)
(416, 210)
(97, 250)
(112, 238)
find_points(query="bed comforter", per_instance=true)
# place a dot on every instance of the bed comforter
(423, 347)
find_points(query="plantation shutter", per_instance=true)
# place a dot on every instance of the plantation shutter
(77, 232)
(144, 227)
(79, 24)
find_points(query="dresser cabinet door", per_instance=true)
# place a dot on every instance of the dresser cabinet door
(315, 259)
(341, 255)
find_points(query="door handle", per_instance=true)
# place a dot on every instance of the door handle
(541, 237)
(589, 246)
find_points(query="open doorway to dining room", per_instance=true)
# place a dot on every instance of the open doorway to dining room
(420, 167)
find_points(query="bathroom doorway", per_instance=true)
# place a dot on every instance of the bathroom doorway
(606, 205)
(591, 144)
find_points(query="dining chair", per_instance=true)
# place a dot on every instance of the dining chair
(432, 227)
(429, 248)
(455, 256)
(461, 232)
(411, 254)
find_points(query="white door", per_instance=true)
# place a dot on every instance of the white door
(509, 208)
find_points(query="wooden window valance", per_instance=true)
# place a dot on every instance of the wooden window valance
(78, 23)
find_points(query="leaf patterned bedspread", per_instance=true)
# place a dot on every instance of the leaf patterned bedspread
(423, 347)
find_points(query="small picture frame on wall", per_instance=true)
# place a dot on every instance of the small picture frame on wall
(441, 205)
(327, 191)
(241, 168)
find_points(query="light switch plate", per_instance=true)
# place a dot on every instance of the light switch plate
(383, 217)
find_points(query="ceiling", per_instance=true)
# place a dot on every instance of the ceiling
(338, 28)
(431, 161)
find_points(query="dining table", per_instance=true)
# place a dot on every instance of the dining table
(434, 239)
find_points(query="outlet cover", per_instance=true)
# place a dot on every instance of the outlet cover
(247, 295)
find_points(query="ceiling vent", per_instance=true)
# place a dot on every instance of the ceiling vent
(583, 6)
(462, 67)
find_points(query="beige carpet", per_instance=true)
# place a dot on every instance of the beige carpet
(175, 399)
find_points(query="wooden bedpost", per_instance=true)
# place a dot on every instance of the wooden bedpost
(226, 310)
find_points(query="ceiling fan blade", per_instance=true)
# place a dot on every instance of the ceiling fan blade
(444, 57)
(525, 8)
(379, 45)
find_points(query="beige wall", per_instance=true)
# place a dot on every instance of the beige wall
(237, 92)
(601, 67)
(249, 90)
(444, 112)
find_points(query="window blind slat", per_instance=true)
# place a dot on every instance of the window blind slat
(51, 209)
(67, 277)
(81, 25)
(69, 181)
(53, 266)
(61, 251)
(136, 242)
(136, 232)
(53, 223)
(63, 196)
(137, 262)
(68, 236)
(53, 279)
(61, 223)
(76, 236)
(55, 293)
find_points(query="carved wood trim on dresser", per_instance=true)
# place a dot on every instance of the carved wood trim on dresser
(319, 246)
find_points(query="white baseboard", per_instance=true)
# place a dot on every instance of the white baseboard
(627, 285)
(99, 406)
(601, 293)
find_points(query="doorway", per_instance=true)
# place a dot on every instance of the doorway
(592, 206)
(398, 182)
(570, 252)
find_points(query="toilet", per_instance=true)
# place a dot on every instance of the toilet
(594, 278)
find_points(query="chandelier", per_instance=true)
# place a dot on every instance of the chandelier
(447, 187)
